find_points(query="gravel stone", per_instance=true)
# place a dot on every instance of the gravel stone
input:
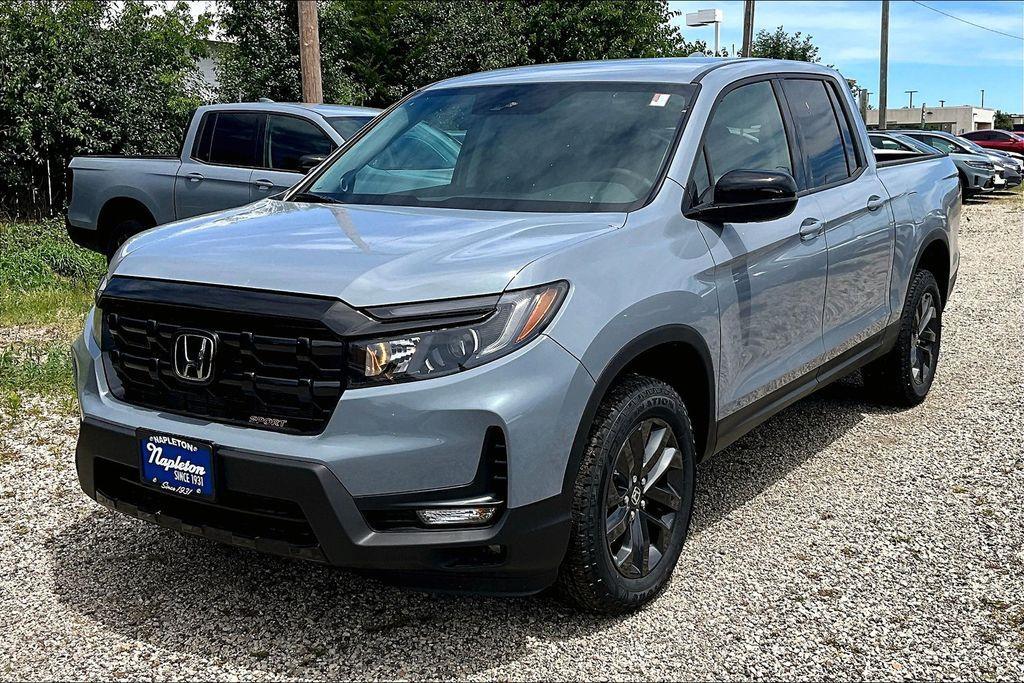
(839, 540)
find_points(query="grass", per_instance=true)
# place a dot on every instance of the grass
(46, 287)
(44, 278)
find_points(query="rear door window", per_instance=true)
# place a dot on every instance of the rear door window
(746, 132)
(230, 139)
(289, 139)
(818, 130)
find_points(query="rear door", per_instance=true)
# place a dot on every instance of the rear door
(216, 174)
(288, 141)
(770, 276)
(859, 231)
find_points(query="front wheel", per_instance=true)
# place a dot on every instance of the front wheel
(632, 499)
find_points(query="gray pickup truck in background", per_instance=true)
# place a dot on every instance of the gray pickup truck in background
(494, 367)
(232, 154)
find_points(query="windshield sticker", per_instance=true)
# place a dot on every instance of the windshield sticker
(659, 100)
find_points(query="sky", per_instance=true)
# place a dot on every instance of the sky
(940, 57)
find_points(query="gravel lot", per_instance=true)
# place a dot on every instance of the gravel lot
(838, 540)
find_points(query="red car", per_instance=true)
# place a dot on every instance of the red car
(1002, 140)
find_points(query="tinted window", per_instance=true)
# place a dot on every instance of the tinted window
(700, 181)
(347, 126)
(844, 130)
(558, 146)
(234, 137)
(746, 132)
(818, 131)
(289, 139)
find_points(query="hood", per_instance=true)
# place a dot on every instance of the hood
(363, 255)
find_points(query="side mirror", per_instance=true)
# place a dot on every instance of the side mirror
(307, 162)
(749, 197)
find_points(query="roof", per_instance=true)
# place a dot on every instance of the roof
(285, 107)
(657, 70)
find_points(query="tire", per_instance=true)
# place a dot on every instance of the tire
(607, 572)
(904, 375)
(120, 233)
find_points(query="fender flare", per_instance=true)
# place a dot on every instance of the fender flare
(658, 336)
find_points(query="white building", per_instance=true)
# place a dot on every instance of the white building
(954, 120)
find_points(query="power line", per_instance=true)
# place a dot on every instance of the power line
(951, 16)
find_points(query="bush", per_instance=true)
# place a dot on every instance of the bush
(89, 77)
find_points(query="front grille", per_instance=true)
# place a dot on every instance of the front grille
(269, 372)
(266, 524)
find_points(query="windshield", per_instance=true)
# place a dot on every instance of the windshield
(515, 147)
(347, 126)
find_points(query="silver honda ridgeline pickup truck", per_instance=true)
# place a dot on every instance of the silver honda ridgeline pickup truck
(485, 344)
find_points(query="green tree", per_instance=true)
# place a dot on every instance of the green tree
(88, 77)
(560, 31)
(1002, 120)
(376, 51)
(395, 47)
(779, 44)
(261, 56)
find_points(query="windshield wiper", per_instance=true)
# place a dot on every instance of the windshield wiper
(315, 198)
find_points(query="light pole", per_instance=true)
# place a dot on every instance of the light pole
(883, 67)
(982, 98)
(911, 93)
(706, 17)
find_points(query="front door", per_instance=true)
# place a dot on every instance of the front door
(770, 276)
(292, 143)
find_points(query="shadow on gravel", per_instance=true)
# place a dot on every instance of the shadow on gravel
(187, 596)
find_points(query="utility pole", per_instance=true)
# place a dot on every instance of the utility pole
(942, 103)
(748, 27)
(309, 53)
(883, 70)
(911, 93)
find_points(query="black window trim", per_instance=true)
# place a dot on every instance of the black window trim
(261, 129)
(263, 151)
(787, 126)
(266, 140)
(862, 163)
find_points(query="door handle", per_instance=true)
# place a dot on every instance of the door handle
(810, 228)
(194, 177)
(875, 202)
(263, 184)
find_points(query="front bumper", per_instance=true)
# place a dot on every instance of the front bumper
(394, 445)
(301, 510)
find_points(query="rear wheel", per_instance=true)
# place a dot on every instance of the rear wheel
(632, 499)
(905, 374)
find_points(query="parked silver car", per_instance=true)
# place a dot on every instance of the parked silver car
(1007, 172)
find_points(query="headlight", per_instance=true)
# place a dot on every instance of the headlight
(519, 318)
(987, 165)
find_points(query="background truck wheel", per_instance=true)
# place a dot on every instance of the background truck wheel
(122, 230)
(903, 376)
(632, 499)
